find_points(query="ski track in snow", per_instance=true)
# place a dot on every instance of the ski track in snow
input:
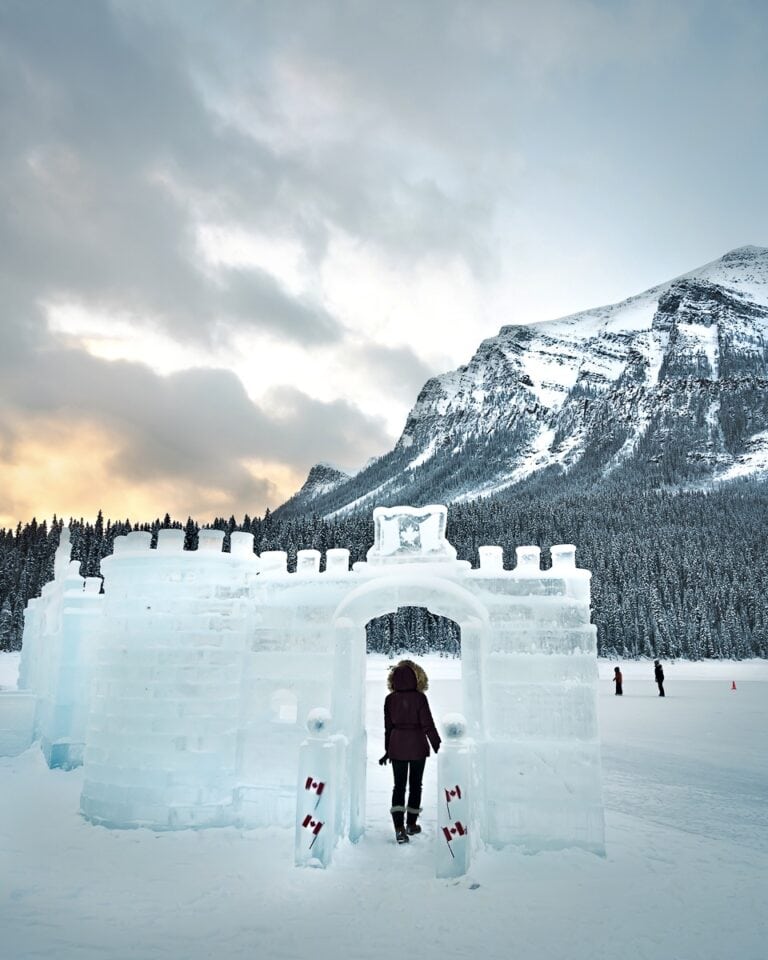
(686, 790)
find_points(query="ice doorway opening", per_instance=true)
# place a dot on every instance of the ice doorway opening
(434, 642)
(413, 631)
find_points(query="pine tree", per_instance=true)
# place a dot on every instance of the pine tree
(6, 626)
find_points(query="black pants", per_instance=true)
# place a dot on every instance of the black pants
(410, 773)
(660, 684)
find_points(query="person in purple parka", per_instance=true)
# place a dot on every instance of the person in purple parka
(408, 732)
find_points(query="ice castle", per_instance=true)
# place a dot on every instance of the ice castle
(184, 688)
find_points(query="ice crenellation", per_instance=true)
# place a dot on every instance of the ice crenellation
(183, 688)
(616, 388)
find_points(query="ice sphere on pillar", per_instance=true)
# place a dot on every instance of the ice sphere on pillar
(170, 541)
(528, 559)
(337, 560)
(491, 559)
(319, 722)
(454, 726)
(241, 544)
(308, 561)
(210, 541)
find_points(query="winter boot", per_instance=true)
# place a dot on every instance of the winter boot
(411, 826)
(398, 819)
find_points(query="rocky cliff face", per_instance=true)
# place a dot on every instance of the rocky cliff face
(668, 387)
(321, 480)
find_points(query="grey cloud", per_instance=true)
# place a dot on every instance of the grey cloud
(99, 100)
(97, 115)
(253, 296)
(439, 106)
(309, 428)
(398, 370)
(198, 425)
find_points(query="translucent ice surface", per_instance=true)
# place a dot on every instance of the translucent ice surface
(410, 534)
(185, 686)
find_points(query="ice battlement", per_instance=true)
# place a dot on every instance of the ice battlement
(170, 541)
(402, 536)
(183, 687)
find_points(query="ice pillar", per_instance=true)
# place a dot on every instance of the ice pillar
(319, 792)
(454, 796)
(348, 701)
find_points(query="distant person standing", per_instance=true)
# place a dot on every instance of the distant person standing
(658, 672)
(618, 679)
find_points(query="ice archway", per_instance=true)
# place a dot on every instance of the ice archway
(379, 596)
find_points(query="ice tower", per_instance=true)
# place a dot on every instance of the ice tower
(197, 670)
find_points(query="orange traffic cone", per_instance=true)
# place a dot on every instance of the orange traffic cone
(733, 684)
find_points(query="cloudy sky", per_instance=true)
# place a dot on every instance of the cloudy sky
(237, 237)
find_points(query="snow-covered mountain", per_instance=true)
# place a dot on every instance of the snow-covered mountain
(668, 387)
(321, 479)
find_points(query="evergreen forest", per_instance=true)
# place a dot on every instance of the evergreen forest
(674, 574)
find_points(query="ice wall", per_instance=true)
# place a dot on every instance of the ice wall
(66, 664)
(166, 701)
(60, 634)
(289, 669)
(539, 761)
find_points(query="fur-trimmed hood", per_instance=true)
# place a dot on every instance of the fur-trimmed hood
(422, 681)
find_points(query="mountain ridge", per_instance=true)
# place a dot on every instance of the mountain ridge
(669, 386)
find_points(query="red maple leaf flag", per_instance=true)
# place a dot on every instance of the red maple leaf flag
(309, 823)
(314, 827)
(317, 785)
(457, 830)
(449, 795)
(450, 833)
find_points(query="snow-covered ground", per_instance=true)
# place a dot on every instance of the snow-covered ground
(686, 794)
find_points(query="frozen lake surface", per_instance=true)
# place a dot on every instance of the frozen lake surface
(686, 796)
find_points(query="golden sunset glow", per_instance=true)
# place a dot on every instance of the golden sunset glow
(68, 470)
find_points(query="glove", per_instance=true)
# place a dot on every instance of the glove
(384, 760)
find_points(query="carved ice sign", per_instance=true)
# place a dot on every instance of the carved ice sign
(410, 534)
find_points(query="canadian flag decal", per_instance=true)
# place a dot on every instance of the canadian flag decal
(314, 827)
(457, 830)
(450, 794)
(316, 785)
(309, 823)
(451, 833)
